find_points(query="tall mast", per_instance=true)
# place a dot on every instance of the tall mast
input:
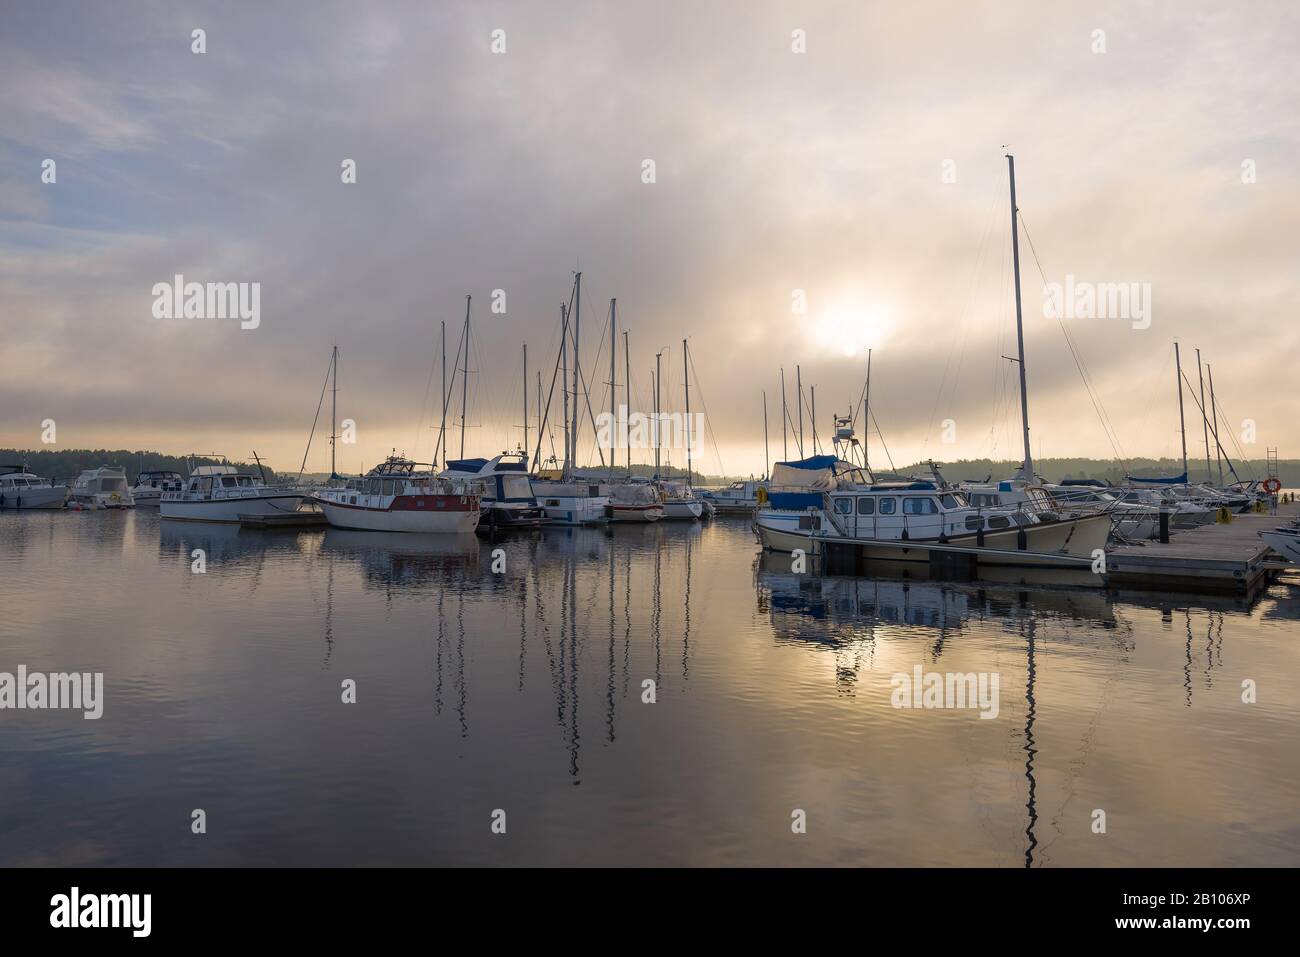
(442, 431)
(1205, 419)
(613, 383)
(525, 391)
(539, 413)
(1026, 470)
(577, 327)
(1182, 423)
(627, 374)
(334, 413)
(767, 458)
(866, 419)
(564, 389)
(798, 384)
(658, 422)
(785, 445)
(464, 381)
(686, 377)
(813, 416)
(1218, 450)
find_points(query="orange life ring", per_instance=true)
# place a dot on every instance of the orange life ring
(1272, 486)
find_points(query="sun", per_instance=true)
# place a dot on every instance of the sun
(850, 331)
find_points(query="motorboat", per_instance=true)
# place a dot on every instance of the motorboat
(19, 488)
(821, 496)
(395, 497)
(1285, 540)
(507, 499)
(150, 485)
(738, 498)
(221, 493)
(104, 487)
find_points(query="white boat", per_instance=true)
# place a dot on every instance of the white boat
(508, 500)
(572, 503)
(394, 497)
(738, 498)
(635, 502)
(681, 503)
(1285, 540)
(150, 485)
(221, 493)
(19, 488)
(104, 487)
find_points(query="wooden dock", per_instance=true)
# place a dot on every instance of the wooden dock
(1224, 559)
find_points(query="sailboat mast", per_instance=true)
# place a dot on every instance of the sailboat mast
(564, 388)
(525, 392)
(577, 327)
(1205, 419)
(442, 430)
(1182, 423)
(767, 458)
(334, 413)
(613, 382)
(785, 416)
(1218, 449)
(1027, 470)
(813, 416)
(866, 418)
(798, 385)
(627, 374)
(686, 378)
(658, 421)
(464, 381)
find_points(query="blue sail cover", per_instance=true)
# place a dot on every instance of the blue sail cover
(1175, 480)
(813, 463)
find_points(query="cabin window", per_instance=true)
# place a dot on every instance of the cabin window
(866, 506)
(593, 491)
(205, 485)
(920, 506)
(354, 500)
(888, 506)
(843, 506)
(999, 521)
(973, 523)
(950, 501)
(228, 481)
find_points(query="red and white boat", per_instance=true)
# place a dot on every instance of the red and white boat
(394, 497)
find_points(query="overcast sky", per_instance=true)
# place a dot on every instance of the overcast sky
(867, 172)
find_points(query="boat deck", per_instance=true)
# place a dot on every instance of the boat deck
(1227, 558)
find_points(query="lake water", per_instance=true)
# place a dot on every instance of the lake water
(522, 692)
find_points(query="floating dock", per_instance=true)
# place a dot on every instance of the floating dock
(306, 518)
(1224, 559)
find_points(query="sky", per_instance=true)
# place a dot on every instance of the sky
(827, 178)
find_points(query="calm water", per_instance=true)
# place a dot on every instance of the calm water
(522, 692)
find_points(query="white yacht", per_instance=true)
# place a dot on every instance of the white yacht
(394, 497)
(104, 487)
(150, 485)
(681, 502)
(507, 499)
(221, 493)
(1285, 540)
(738, 498)
(822, 496)
(19, 488)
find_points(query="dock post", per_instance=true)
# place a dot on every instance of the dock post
(1164, 528)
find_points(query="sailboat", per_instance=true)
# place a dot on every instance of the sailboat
(567, 498)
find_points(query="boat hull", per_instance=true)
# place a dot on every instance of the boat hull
(457, 520)
(570, 510)
(229, 510)
(35, 498)
(683, 511)
(635, 513)
(1076, 537)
